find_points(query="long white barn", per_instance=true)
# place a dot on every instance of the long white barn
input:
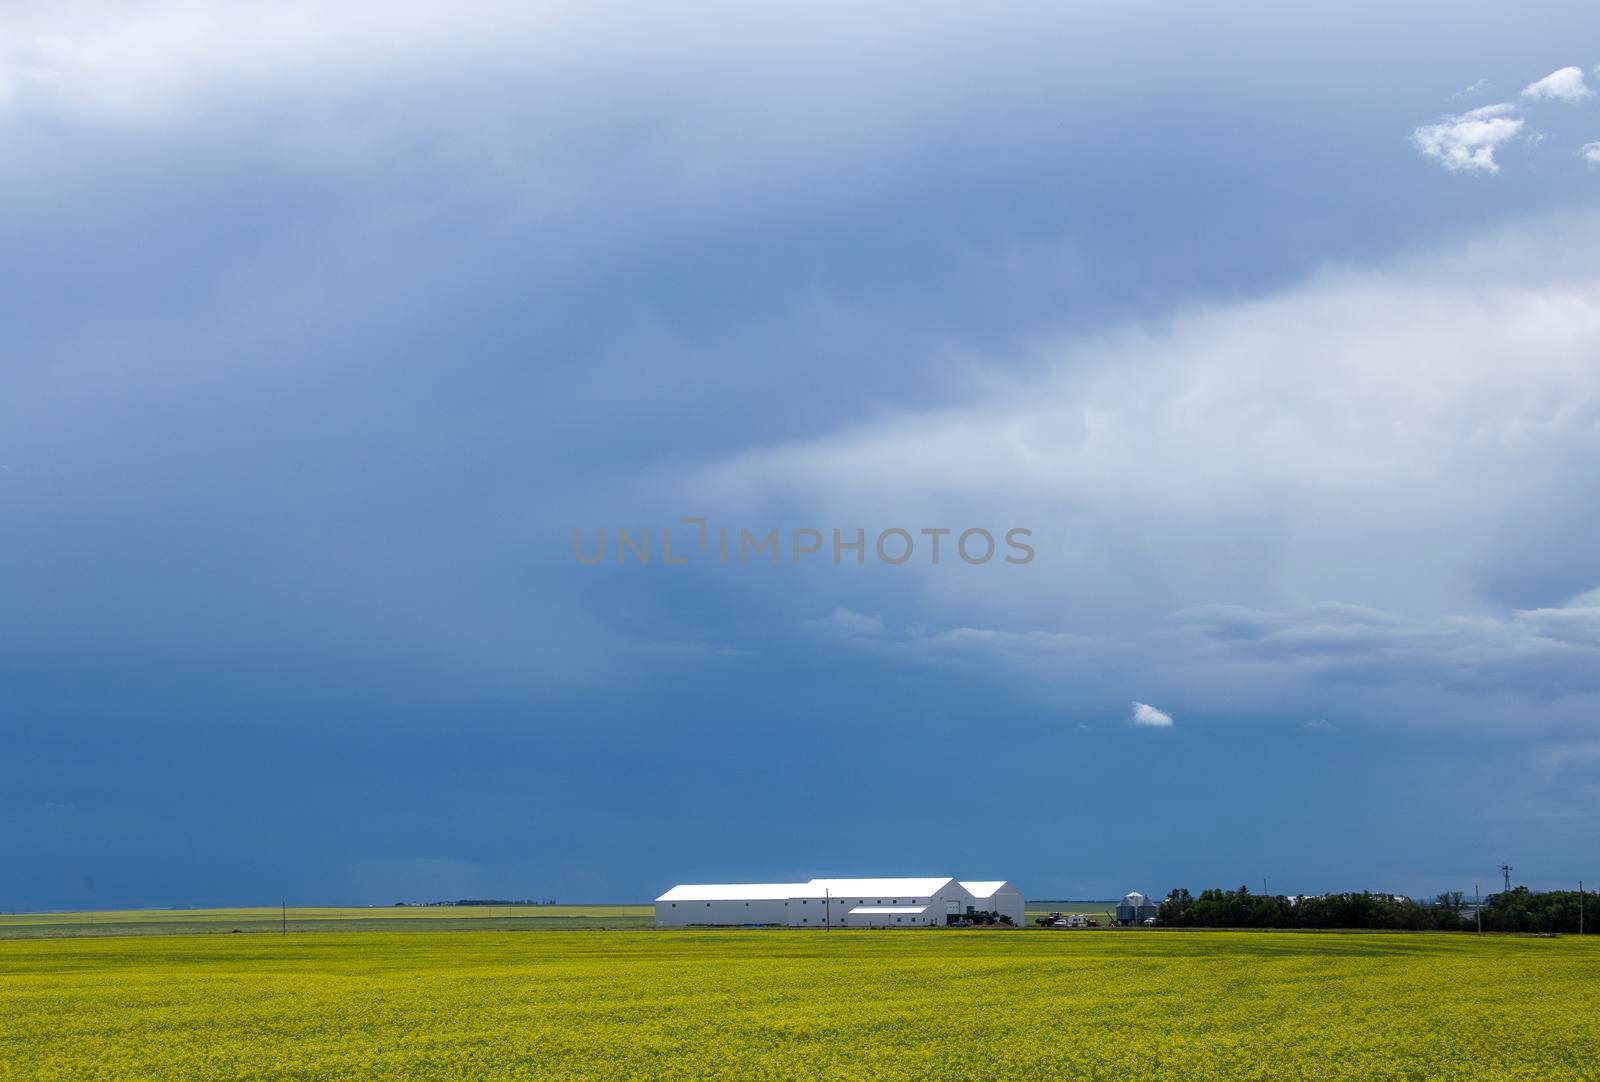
(838, 903)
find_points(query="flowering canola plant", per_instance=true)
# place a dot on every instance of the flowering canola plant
(788, 1004)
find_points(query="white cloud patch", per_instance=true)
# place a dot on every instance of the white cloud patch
(1591, 153)
(1319, 724)
(1555, 649)
(1553, 759)
(1027, 650)
(546, 102)
(1565, 85)
(1467, 143)
(1029, 661)
(847, 623)
(1150, 717)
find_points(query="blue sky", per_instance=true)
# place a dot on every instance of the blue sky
(323, 331)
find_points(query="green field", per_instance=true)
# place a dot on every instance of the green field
(326, 919)
(932, 1003)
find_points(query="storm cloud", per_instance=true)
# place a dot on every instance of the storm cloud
(325, 327)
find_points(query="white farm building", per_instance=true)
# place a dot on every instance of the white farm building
(838, 903)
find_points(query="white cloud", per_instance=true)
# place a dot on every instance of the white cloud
(1591, 153)
(1466, 143)
(1267, 439)
(1564, 85)
(1146, 715)
(142, 61)
(1032, 653)
(686, 650)
(847, 623)
(1320, 724)
(1555, 650)
(166, 60)
(1440, 417)
(1553, 759)
(528, 111)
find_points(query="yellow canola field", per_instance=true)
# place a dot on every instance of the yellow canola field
(791, 1004)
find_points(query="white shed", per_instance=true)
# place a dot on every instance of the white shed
(834, 903)
(730, 903)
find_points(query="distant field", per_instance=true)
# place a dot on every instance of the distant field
(353, 919)
(380, 918)
(936, 1003)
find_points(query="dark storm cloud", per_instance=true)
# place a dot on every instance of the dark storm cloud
(322, 329)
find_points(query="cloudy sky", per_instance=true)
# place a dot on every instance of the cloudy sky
(323, 331)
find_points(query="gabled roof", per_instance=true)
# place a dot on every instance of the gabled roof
(984, 888)
(878, 888)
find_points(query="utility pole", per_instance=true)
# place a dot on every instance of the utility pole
(1505, 870)
(1580, 907)
(1477, 908)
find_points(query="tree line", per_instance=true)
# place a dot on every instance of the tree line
(1518, 910)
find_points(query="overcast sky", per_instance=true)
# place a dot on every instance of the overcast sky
(323, 328)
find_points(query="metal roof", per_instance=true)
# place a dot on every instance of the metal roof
(912, 909)
(984, 888)
(738, 892)
(879, 888)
